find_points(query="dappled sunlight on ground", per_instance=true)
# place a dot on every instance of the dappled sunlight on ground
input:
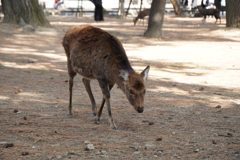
(192, 96)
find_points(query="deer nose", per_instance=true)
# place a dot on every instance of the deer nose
(140, 110)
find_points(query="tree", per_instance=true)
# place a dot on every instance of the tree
(128, 7)
(233, 13)
(176, 6)
(23, 12)
(121, 9)
(155, 20)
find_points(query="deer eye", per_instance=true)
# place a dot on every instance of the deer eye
(131, 92)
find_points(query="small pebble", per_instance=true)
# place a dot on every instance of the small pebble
(160, 151)
(230, 134)
(90, 146)
(175, 155)
(104, 156)
(159, 139)
(1, 143)
(218, 106)
(86, 142)
(150, 147)
(214, 142)
(136, 152)
(215, 134)
(98, 153)
(133, 147)
(25, 153)
(8, 145)
(86, 149)
(151, 123)
(205, 157)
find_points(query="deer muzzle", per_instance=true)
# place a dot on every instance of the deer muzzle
(140, 110)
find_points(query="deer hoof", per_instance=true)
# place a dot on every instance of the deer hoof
(97, 120)
(70, 114)
(94, 113)
(114, 128)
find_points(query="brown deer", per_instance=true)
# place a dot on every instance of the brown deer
(96, 54)
(141, 15)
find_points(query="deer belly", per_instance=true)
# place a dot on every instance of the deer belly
(84, 71)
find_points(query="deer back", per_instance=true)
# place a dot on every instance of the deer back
(94, 53)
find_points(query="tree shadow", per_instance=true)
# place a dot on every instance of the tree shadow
(33, 80)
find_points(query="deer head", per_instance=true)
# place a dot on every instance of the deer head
(134, 88)
(135, 20)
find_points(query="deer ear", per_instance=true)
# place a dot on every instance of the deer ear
(144, 73)
(124, 75)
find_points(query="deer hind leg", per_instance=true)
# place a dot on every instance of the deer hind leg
(106, 96)
(102, 105)
(86, 83)
(71, 74)
(217, 19)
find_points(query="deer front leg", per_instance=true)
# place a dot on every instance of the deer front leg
(110, 119)
(70, 96)
(106, 96)
(86, 83)
(99, 113)
(102, 105)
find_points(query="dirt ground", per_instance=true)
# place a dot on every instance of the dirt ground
(192, 104)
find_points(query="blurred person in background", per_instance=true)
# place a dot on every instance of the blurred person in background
(98, 13)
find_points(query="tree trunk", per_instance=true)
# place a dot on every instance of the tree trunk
(141, 3)
(233, 13)
(128, 7)
(23, 12)
(176, 7)
(121, 9)
(155, 20)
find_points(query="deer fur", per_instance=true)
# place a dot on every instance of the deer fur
(141, 15)
(96, 54)
(209, 12)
